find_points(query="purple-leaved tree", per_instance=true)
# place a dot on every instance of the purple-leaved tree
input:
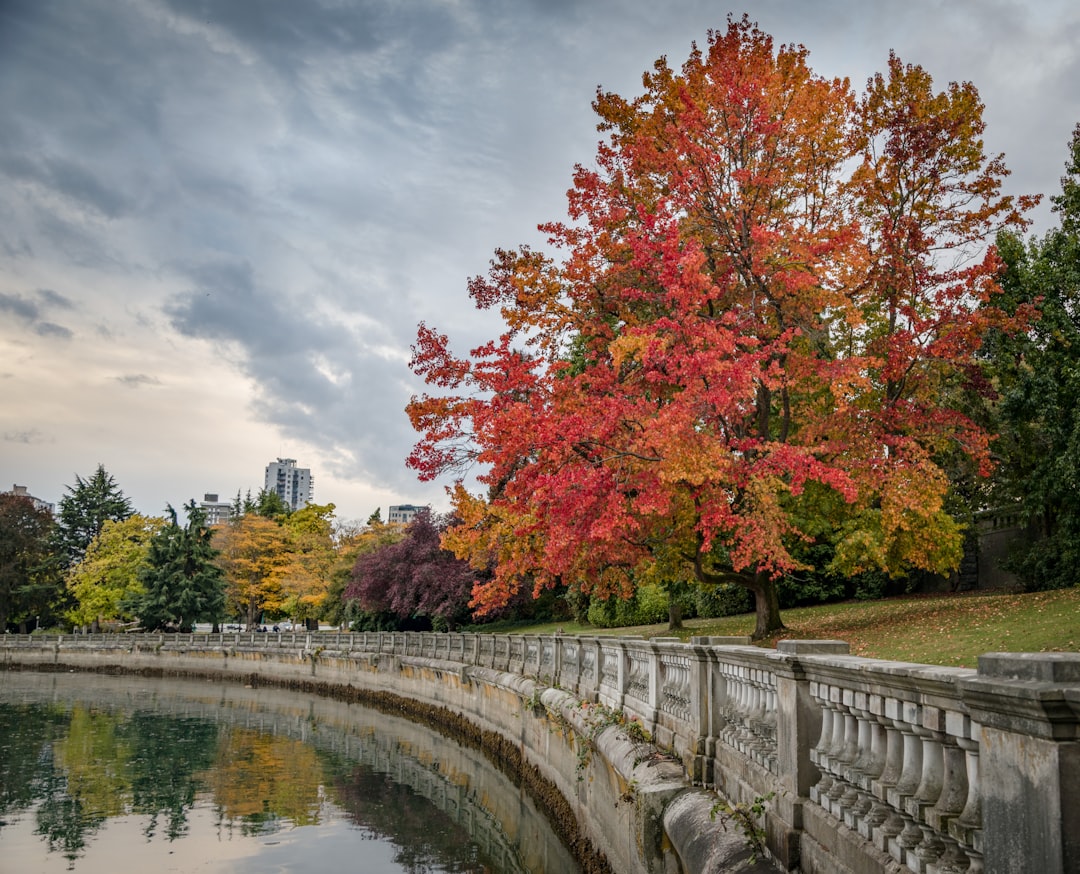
(415, 577)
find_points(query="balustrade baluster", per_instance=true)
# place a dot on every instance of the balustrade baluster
(819, 755)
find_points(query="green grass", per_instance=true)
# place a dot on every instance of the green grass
(952, 630)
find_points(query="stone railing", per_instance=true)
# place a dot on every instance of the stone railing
(868, 765)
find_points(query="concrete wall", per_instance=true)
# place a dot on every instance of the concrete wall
(614, 786)
(861, 765)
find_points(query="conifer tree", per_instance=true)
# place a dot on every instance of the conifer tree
(182, 580)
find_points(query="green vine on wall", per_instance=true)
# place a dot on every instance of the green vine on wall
(746, 817)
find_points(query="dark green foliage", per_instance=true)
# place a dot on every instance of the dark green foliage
(183, 583)
(84, 510)
(265, 503)
(1038, 375)
(712, 602)
(647, 606)
(270, 505)
(30, 579)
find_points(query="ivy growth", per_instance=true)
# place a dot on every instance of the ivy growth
(749, 818)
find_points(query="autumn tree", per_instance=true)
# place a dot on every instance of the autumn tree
(182, 582)
(29, 572)
(415, 577)
(106, 581)
(252, 554)
(352, 542)
(85, 509)
(741, 344)
(308, 562)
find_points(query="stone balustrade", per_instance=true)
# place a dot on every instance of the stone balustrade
(870, 765)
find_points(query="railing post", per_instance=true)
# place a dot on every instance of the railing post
(798, 732)
(1028, 707)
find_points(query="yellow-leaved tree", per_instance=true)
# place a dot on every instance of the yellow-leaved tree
(106, 580)
(253, 553)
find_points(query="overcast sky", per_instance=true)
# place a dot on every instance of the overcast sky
(222, 220)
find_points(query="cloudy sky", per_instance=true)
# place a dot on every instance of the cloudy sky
(222, 220)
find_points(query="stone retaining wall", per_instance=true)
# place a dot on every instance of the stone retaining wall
(866, 765)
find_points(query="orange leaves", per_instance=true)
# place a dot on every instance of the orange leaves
(751, 310)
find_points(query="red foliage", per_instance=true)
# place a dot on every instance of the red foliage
(768, 293)
(415, 576)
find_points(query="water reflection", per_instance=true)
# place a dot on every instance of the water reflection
(98, 772)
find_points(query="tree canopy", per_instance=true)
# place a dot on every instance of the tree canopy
(29, 572)
(414, 577)
(85, 509)
(744, 344)
(253, 553)
(1038, 375)
(107, 582)
(181, 580)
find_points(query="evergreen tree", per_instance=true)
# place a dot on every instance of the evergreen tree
(84, 510)
(1038, 374)
(183, 584)
(270, 505)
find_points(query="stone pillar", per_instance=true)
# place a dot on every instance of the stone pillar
(1028, 707)
(798, 730)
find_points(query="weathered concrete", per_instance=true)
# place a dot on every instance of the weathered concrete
(864, 766)
(616, 785)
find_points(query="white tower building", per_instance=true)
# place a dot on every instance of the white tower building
(294, 485)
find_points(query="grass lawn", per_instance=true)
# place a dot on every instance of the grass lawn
(948, 629)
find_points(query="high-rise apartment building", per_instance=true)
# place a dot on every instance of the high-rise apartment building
(216, 511)
(294, 485)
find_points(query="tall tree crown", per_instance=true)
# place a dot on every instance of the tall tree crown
(85, 509)
(746, 343)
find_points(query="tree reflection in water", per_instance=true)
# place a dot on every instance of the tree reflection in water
(79, 757)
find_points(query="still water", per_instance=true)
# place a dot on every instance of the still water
(99, 774)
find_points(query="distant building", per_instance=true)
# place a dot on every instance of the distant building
(21, 492)
(294, 485)
(403, 514)
(216, 511)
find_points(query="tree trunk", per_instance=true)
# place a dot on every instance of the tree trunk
(674, 614)
(766, 606)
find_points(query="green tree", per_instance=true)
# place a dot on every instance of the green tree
(270, 505)
(30, 578)
(107, 578)
(89, 504)
(182, 581)
(1038, 374)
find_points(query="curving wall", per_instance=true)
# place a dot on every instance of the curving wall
(865, 765)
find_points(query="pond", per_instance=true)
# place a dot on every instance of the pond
(101, 773)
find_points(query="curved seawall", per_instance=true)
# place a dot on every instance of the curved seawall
(603, 786)
(853, 765)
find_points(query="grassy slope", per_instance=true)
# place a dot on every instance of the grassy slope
(935, 630)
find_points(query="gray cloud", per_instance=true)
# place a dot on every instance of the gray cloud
(28, 436)
(297, 185)
(137, 380)
(54, 299)
(30, 311)
(19, 307)
(51, 329)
